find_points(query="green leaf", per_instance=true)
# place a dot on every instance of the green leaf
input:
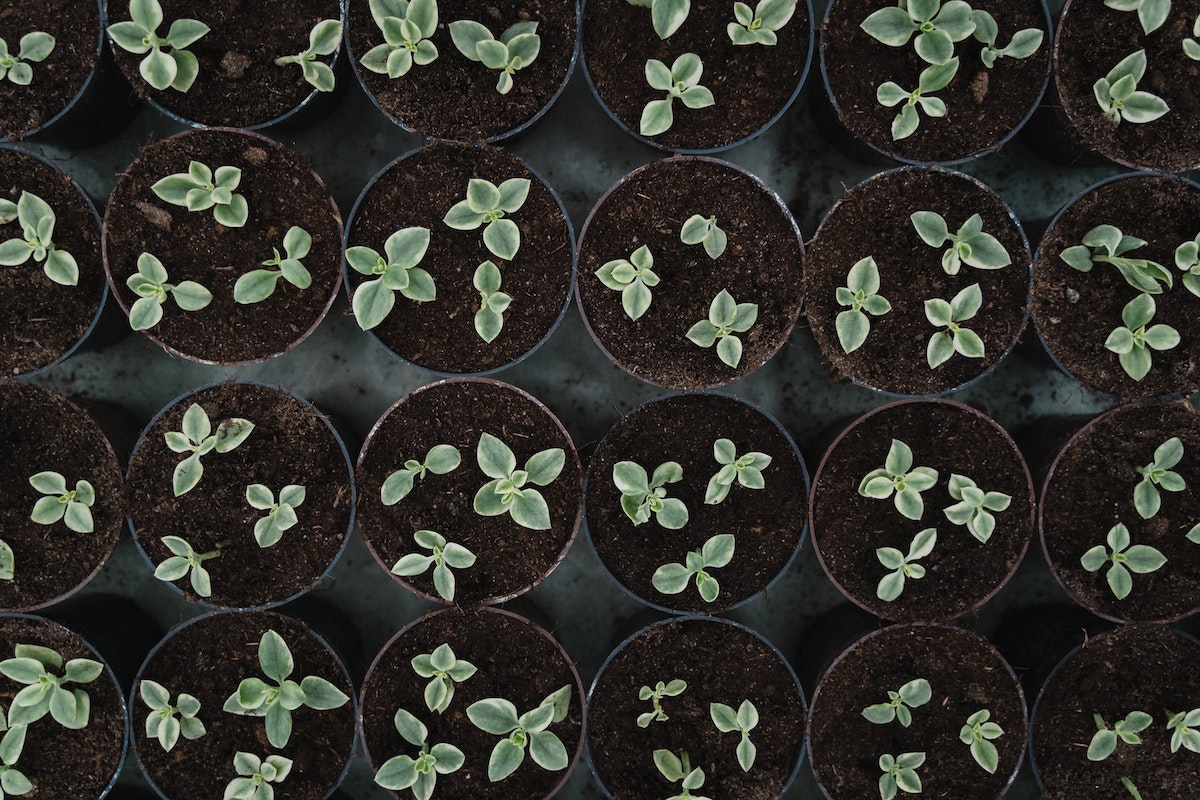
(502, 238)
(668, 15)
(529, 510)
(547, 751)
(891, 26)
(542, 468)
(493, 715)
(890, 586)
(466, 35)
(657, 118)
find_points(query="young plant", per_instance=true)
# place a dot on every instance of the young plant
(725, 318)
(46, 691)
(642, 496)
(1105, 244)
(970, 245)
(12, 780)
(900, 477)
(398, 272)
(37, 224)
(916, 692)
(259, 284)
(978, 733)
(149, 283)
(1158, 475)
(406, 26)
(185, 560)
(516, 48)
(7, 562)
(489, 319)
(633, 278)
(679, 768)
(440, 460)
(1187, 258)
(73, 506)
(938, 26)
(743, 720)
(1151, 13)
(715, 553)
(900, 772)
(746, 469)
(1185, 730)
(200, 189)
(323, 39)
(508, 490)
(666, 15)
(932, 79)
(759, 26)
(1118, 95)
(280, 515)
(162, 722)
(672, 688)
(1133, 341)
(176, 68)
(1130, 787)
(256, 776)
(444, 556)
(197, 439)
(256, 698)
(698, 230)
(1139, 558)
(419, 774)
(34, 47)
(1023, 44)
(903, 566)
(860, 294)
(955, 338)
(486, 204)
(1104, 741)
(446, 670)
(498, 716)
(681, 81)
(974, 507)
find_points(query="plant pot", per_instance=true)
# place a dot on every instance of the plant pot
(281, 192)
(455, 97)
(510, 557)
(759, 263)
(291, 444)
(752, 84)
(874, 220)
(965, 675)
(724, 663)
(1074, 312)
(767, 524)
(961, 567)
(514, 659)
(417, 191)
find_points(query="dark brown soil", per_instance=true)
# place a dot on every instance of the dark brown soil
(721, 663)
(65, 764)
(75, 26)
(1133, 668)
(239, 84)
(1091, 40)
(456, 98)
(291, 443)
(962, 572)
(511, 559)
(965, 673)
(751, 84)
(207, 659)
(983, 106)
(1075, 311)
(440, 335)
(767, 523)
(41, 320)
(281, 190)
(761, 264)
(872, 219)
(516, 660)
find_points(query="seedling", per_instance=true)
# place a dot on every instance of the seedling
(280, 516)
(197, 439)
(978, 733)
(149, 283)
(200, 189)
(760, 25)
(256, 698)
(46, 691)
(938, 26)
(73, 506)
(955, 338)
(12, 780)
(743, 720)
(1104, 742)
(406, 26)
(1133, 341)
(1158, 475)
(698, 230)
(725, 318)
(516, 48)
(1139, 558)
(1131, 788)
(1151, 13)
(666, 15)
(681, 81)
(715, 553)
(1023, 44)
(498, 716)
(932, 79)
(162, 722)
(256, 776)
(916, 692)
(419, 774)
(746, 469)
(440, 460)
(508, 490)
(899, 477)
(1191, 47)
(679, 768)
(970, 245)
(975, 506)
(446, 670)
(673, 688)
(633, 279)
(37, 225)
(1105, 244)
(176, 68)
(323, 39)
(1187, 258)
(1118, 97)
(642, 496)
(7, 562)
(489, 319)
(892, 585)
(900, 772)
(259, 284)
(1185, 730)
(398, 272)
(186, 559)
(34, 47)
(860, 294)
(444, 556)
(486, 205)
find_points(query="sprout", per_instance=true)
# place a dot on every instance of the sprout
(1023, 44)
(698, 230)
(1187, 256)
(73, 506)
(440, 460)
(178, 68)
(1104, 742)
(633, 279)
(197, 438)
(256, 698)
(977, 733)
(1158, 474)
(406, 26)
(743, 720)
(682, 80)
(861, 294)
(259, 284)
(175, 567)
(280, 515)
(516, 48)
(420, 774)
(1140, 558)
(498, 716)
(642, 496)
(667, 15)
(1151, 13)
(257, 776)
(970, 245)
(34, 46)
(1105, 244)
(679, 768)
(932, 79)
(747, 469)
(486, 204)
(975, 506)
(673, 578)
(47, 692)
(7, 562)
(898, 475)
(200, 189)
(1132, 342)
(12, 780)
(1131, 788)
(489, 319)
(900, 773)
(1185, 730)
(323, 39)
(760, 25)
(891, 585)
(37, 224)
(507, 492)
(955, 339)
(444, 556)
(1117, 96)
(916, 692)
(937, 25)
(447, 670)
(373, 300)
(673, 688)
(161, 722)
(725, 317)
(149, 283)
(1191, 48)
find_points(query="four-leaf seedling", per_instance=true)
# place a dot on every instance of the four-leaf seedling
(970, 245)
(487, 204)
(72, 506)
(903, 566)
(760, 24)
(633, 278)
(898, 476)
(176, 68)
(406, 26)
(725, 318)
(955, 338)
(672, 688)
(280, 516)
(37, 221)
(184, 560)
(1105, 740)
(974, 507)
(978, 733)
(397, 272)
(913, 694)
(200, 188)
(197, 438)
(149, 283)
(1158, 475)
(1139, 558)
(44, 674)
(510, 491)
(1118, 95)
(1133, 341)
(517, 48)
(899, 772)
(444, 555)
(499, 717)
(162, 722)
(642, 496)
(256, 776)
(681, 80)
(446, 671)
(440, 460)
(860, 295)
(420, 774)
(715, 553)
(932, 79)
(489, 319)
(746, 469)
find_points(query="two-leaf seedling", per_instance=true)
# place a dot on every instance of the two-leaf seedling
(259, 284)
(323, 40)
